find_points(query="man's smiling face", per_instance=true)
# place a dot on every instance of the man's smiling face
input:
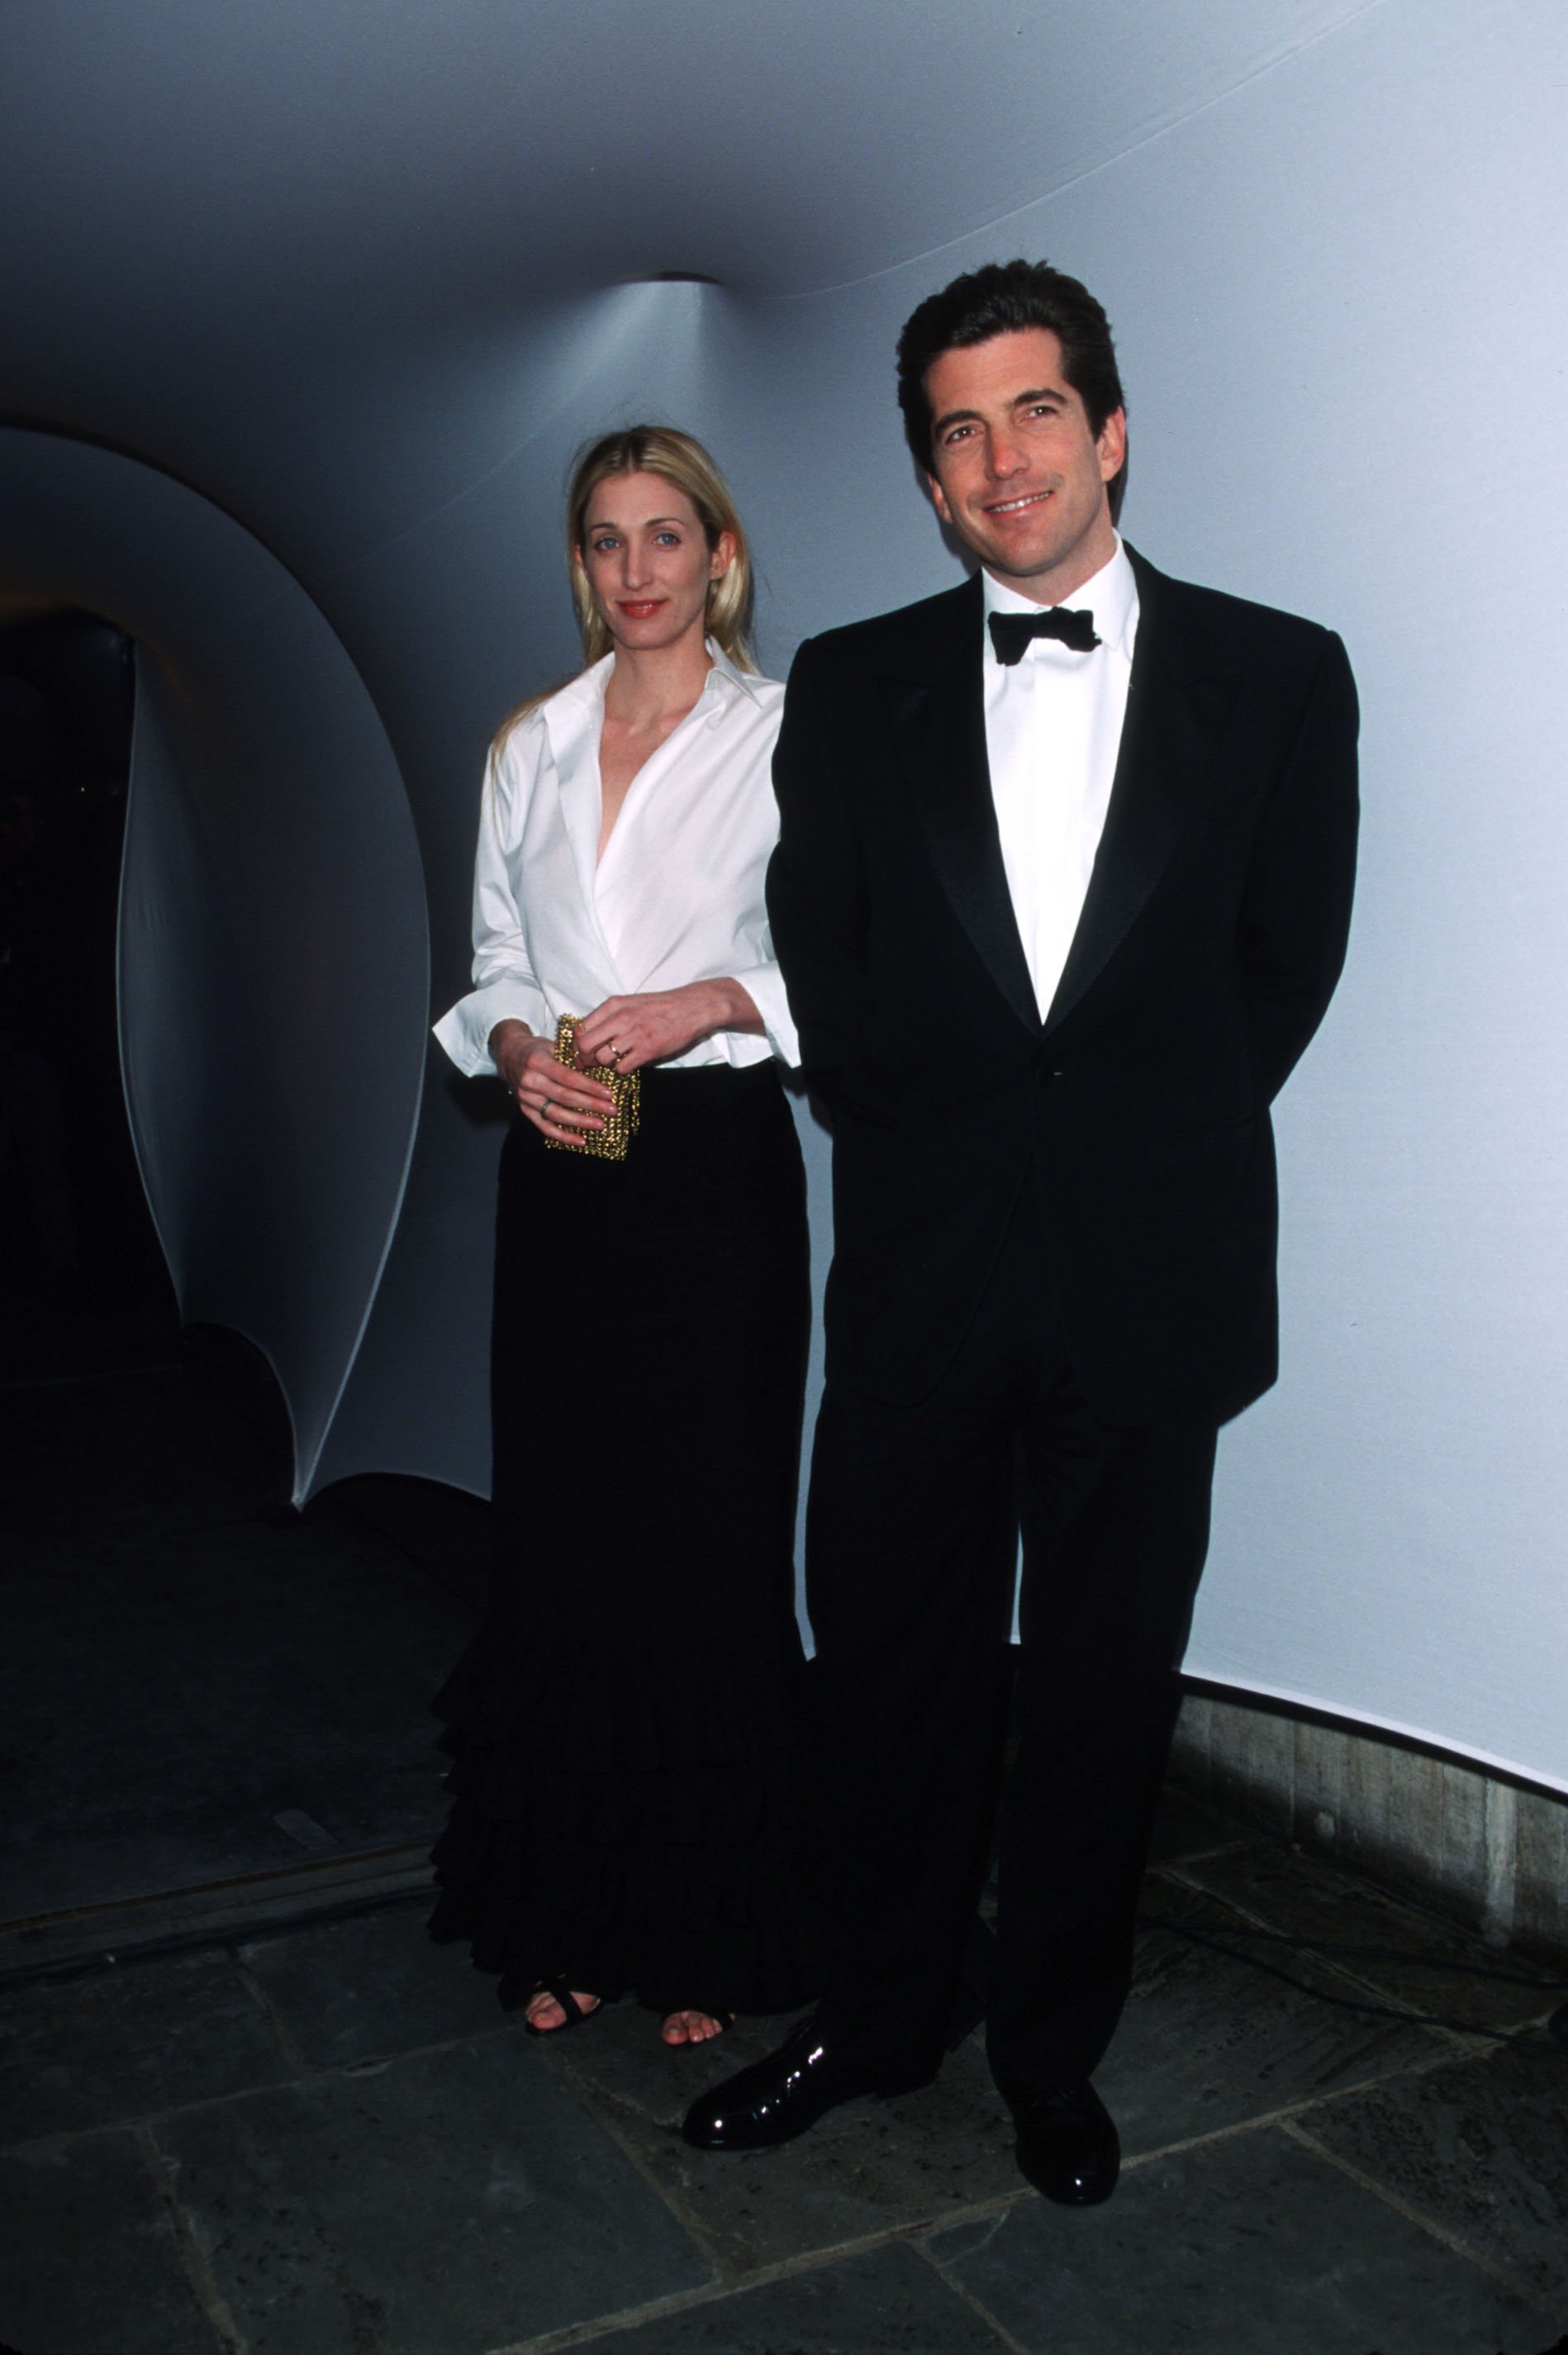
(1018, 473)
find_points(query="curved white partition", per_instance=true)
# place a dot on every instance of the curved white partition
(273, 956)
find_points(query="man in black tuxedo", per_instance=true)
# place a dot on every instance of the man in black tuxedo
(1061, 893)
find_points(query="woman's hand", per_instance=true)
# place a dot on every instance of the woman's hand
(659, 1024)
(558, 1101)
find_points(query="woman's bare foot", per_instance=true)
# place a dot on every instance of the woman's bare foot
(547, 2015)
(695, 2027)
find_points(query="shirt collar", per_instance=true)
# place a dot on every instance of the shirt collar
(1110, 595)
(730, 672)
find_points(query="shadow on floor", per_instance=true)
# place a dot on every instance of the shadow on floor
(326, 2138)
(207, 1699)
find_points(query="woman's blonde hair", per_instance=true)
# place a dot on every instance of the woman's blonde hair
(681, 459)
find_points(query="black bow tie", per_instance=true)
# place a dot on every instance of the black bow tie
(1011, 632)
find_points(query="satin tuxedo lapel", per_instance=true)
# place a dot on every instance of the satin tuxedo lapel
(937, 718)
(1179, 702)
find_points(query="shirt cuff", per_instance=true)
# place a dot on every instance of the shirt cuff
(764, 984)
(464, 1031)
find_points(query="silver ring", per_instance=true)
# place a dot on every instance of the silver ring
(544, 1109)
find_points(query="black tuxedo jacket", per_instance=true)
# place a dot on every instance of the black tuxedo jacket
(1136, 1112)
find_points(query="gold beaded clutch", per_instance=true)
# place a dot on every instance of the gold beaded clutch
(608, 1142)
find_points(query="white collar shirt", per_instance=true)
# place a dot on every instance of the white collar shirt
(677, 896)
(1053, 732)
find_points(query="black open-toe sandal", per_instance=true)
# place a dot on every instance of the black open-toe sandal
(559, 1992)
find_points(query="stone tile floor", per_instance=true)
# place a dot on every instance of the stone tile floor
(332, 2142)
(197, 1684)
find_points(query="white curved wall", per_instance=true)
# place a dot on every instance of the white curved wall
(1330, 236)
(273, 962)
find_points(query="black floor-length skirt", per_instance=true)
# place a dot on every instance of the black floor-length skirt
(628, 1810)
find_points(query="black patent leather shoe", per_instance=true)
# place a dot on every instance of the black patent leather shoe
(778, 2098)
(1067, 2145)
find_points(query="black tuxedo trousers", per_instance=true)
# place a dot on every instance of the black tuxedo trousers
(911, 1551)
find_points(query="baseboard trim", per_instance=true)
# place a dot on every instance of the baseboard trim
(219, 1912)
(1489, 1850)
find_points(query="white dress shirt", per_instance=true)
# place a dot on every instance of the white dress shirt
(1053, 730)
(677, 896)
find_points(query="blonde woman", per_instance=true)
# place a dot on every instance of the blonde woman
(627, 1816)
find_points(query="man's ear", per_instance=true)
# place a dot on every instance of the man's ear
(1112, 445)
(940, 497)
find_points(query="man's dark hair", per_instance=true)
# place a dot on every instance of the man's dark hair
(996, 301)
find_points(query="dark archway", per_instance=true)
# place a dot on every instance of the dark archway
(82, 1277)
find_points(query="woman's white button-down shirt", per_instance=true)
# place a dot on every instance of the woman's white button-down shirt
(677, 896)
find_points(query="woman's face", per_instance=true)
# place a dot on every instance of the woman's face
(647, 560)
